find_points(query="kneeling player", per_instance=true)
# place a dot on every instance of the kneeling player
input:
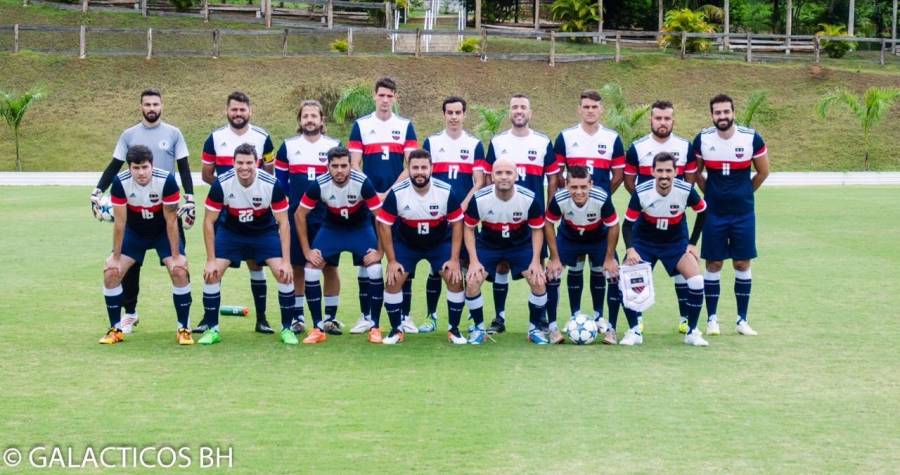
(148, 222)
(506, 212)
(655, 230)
(256, 227)
(429, 228)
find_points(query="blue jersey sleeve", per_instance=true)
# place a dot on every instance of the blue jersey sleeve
(171, 192)
(535, 214)
(472, 218)
(354, 143)
(282, 167)
(312, 196)
(698, 150)
(759, 146)
(117, 191)
(427, 145)
(490, 159)
(215, 199)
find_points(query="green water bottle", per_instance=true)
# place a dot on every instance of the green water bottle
(237, 310)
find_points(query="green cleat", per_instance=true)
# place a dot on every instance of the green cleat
(682, 327)
(288, 337)
(209, 337)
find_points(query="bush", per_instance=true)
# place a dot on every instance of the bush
(468, 45)
(691, 22)
(576, 16)
(339, 46)
(182, 5)
(834, 48)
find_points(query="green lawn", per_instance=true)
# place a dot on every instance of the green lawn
(814, 392)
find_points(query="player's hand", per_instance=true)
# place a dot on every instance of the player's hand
(314, 257)
(95, 202)
(692, 251)
(554, 269)
(394, 271)
(188, 212)
(178, 261)
(451, 271)
(631, 257)
(114, 264)
(611, 269)
(284, 273)
(476, 274)
(464, 205)
(373, 256)
(535, 274)
(211, 272)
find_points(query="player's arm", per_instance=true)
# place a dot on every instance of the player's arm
(610, 266)
(761, 163)
(470, 220)
(690, 166)
(617, 166)
(632, 168)
(537, 225)
(631, 216)
(120, 215)
(184, 167)
(700, 179)
(618, 177)
(284, 233)
(554, 266)
(105, 181)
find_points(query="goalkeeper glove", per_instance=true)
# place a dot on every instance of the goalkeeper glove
(188, 212)
(95, 202)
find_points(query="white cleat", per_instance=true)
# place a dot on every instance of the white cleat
(362, 325)
(631, 338)
(744, 328)
(129, 320)
(712, 328)
(695, 338)
(407, 325)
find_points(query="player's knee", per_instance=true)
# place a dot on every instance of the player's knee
(578, 267)
(457, 287)
(714, 266)
(695, 282)
(179, 276)
(503, 268)
(742, 266)
(111, 278)
(374, 271)
(538, 288)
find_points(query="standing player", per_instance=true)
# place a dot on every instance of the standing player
(299, 161)
(531, 154)
(167, 144)
(727, 151)
(600, 150)
(255, 227)
(655, 230)
(218, 158)
(639, 169)
(458, 158)
(349, 199)
(428, 226)
(145, 203)
(588, 226)
(379, 144)
(506, 212)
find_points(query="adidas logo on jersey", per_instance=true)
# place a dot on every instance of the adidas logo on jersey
(441, 150)
(298, 152)
(372, 132)
(132, 195)
(406, 208)
(331, 198)
(712, 149)
(570, 214)
(504, 152)
(231, 195)
(490, 212)
(575, 144)
(223, 144)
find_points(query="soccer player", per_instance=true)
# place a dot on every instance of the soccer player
(427, 224)
(145, 201)
(512, 221)
(218, 158)
(600, 150)
(639, 164)
(255, 227)
(349, 198)
(169, 149)
(727, 151)
(588, 226)
(379, 144)
(458, 160)
(531, 154)
(299, 161)
(655, 230)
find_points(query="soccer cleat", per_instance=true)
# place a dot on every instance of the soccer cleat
(538, 337)
(113, 335)
(430, 324)
(545, 324)
(641, 324)
(262, 326)
(695, 338)
(555, 336)
(362, 325)
(333, 327)
(393, 338)
(298, 326)
(632, 338)
(602, 326)
(184, 336)
(407, 325)
(682, 327)
(315, 336)
(129, 321)
(712, 327)
(288, 337)
(210, 337)
(470, 327)
(375, 335)
(611, 338)
(497, 326)
(743, 328)
(477, 337)
(201, 327)
(453, 336)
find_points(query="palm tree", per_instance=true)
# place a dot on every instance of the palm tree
(12, 109)
(754, 103)
(355, 102)
(875, 103)
(490, 121)
(619, 116)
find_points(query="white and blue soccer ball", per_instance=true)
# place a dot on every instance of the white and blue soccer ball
(581, 329)
(106, 209)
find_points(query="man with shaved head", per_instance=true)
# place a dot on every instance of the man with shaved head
(512, 223)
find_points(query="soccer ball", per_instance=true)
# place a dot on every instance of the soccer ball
(106, 209)
(581, 329)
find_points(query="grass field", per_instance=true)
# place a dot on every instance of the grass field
(815, 392)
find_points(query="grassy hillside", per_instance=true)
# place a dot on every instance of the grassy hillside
(91, 100)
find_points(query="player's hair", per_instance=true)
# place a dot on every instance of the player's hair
(239, 97)
(419, 153)
(662, 104)
(246, 149)
(150, 91)
(453, 100)
(386, 82)
(591, 94)
(719, 98)
(310, 103)
(519, 96)
(338, 152)
(577, 171)
(663, 157)
(139, 154)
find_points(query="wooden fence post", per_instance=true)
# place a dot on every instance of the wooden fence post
(683, 43)
(618, 46)
(816, 48)
(205, 11)
(24, 3)
(143, 7)
(484, 35)
(552, 48)
(82, 48)
(749, 47)
(284, 37)
(883, 46)
(418, 41)
(388, 21)
(349, 41)
(216, 43)
(726, 44)
(16, 38)
(84, 6)
(329, 11)
(149, 43)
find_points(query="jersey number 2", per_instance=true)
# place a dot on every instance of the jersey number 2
(245, 215)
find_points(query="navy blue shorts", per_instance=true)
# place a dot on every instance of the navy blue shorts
(332, 241)
(570, 251)
(135, 245)
(297, 256)
(668, 253)
(518, 258)
(237, 248)
(408, 257)
(729, 236)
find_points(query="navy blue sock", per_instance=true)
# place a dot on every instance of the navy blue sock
(742, 284)
(181, 297)
(286, 302)
(552, 299)
(314, 296)
(681, 291)
(455, 302)
(432, 292)
(694, 305)
(598, 293)
(212, 299)
(407, 297)
(259, 290)
(376, 298)
(113, 298)
(613, 301)
(536, 306)
(575, 284)
(711, 290)
(632, 317)
(393, 305)
(362, 278)
(331, 306)
(476, 309)
(501, 289)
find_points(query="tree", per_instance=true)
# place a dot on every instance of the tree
(619, 117)
(576, 15)
(690, 21)
(835, 48)
(754, 103)
(875, 103)
(12, 109)
(490, 121)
